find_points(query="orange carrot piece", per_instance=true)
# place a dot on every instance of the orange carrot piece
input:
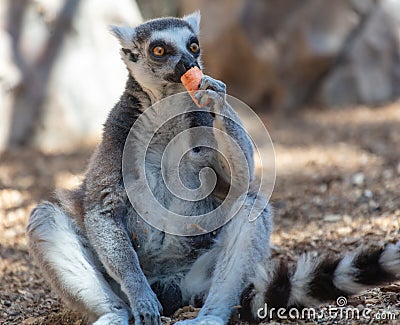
(191, 81)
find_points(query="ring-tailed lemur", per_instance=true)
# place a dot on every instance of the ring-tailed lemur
(110, 265)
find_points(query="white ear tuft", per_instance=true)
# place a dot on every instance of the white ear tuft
(125, 35)
(194, 21)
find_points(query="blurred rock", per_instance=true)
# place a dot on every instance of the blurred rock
(332, 217)
(287, 53)
(369, 71)
(157, 8)
(9, 76)
(358, 179)
(70, 70)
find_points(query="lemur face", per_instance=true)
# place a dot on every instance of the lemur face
(160, 51)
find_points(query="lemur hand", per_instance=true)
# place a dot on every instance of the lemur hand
(146, 308)
(212, 94)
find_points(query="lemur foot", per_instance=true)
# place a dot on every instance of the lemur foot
(202, 320)
(113, 319)
(212, 94)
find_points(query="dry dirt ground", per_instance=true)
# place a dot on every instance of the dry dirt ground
(338, 185)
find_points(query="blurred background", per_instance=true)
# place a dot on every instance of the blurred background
(324, 76)
(60, 70)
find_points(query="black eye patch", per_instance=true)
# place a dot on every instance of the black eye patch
(192, 40)
(169, 49)
(132, 57)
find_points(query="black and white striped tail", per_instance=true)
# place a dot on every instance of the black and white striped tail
(318, 280)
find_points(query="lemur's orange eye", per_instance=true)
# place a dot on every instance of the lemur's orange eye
(194, 47)
(158, 51)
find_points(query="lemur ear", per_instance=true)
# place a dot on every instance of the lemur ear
(194, 21)
(125, 35)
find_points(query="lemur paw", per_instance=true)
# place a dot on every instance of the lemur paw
(202, 320)
(212, 94)
(208, 83)
(147, 310)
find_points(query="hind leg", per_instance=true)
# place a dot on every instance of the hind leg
(64, 257)
(242, 245)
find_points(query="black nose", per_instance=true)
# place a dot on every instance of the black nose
(184, 64)
(189, 64)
